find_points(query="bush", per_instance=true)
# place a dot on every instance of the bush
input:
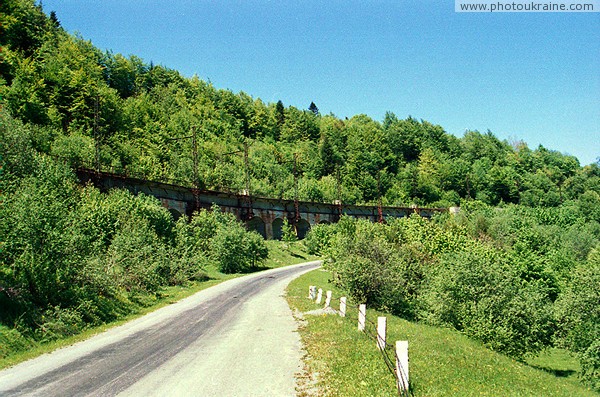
(479, 293)
(578, 315)
(590, 364)
(76, 150)
(11, 340)
(187, 260)
(59, 322)
(318, 239)
(35, 230)
(256, 248)
(368, 262)
(136, 257)
(237, 250)
(288, 233)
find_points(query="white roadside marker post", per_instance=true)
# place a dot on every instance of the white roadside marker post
(381, 332)
(319, 296)
(402, 365)
(343, 306)
(362, 316)
(312, 292)
(328, 299)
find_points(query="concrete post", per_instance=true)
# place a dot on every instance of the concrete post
(328, 299)
(319, 296)
(381, 332)
(454, 210)
(402, 365)
(343, 306)
(362, 317)
(312, 292)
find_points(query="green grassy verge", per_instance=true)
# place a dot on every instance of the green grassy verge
(280, 254)
(283, 254)
(442, 362)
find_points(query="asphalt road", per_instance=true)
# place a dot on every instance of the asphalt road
(234, 339)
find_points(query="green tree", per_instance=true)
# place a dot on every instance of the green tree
(299, 125)
(288, 234)
(279, 113)
(237, 250)
(476, 292)
(578, 314)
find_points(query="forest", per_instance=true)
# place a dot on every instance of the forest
(527, 235)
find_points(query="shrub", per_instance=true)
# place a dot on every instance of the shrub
(288, 233)
(187, 259)
(479, 293)
(256, 248)
(59, 322)
(578, 315)
(237, 250)
(35, 230)
(11, 340)
(76, 150)
(368, 262)
(136, 257)
(318, 239)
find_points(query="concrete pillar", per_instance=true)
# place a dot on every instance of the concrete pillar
(402, 365)
(362, 317)
(381, 332)
(343, 306)
(319, 296)
(269, 230)
(328, 299)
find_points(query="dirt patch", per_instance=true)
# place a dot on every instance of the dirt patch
(321, 312)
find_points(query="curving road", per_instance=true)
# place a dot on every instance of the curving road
(234, 339)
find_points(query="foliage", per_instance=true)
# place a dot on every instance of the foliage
(492, 274)
(371, 264)
(288, 234)
(236, 250)
(140, 116)
(479, 293)
(578, 312)
(74, 257)
(317, 240)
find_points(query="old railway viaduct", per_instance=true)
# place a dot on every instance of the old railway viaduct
(265, 215)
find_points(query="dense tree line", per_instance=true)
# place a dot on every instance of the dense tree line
(141, 117)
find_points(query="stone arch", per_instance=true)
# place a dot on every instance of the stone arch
(258, 225)
(175, 214)
(302, 227)
(277, 226)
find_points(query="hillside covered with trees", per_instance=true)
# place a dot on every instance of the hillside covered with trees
(142, 117)
(518, 269)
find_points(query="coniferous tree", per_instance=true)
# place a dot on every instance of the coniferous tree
(314, 109)
(279, 113)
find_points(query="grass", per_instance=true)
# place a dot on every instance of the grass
(558, 362)
(280, 255)
(283, 254)
(443, 362)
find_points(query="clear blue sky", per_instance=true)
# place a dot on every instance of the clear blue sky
(524, 76)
